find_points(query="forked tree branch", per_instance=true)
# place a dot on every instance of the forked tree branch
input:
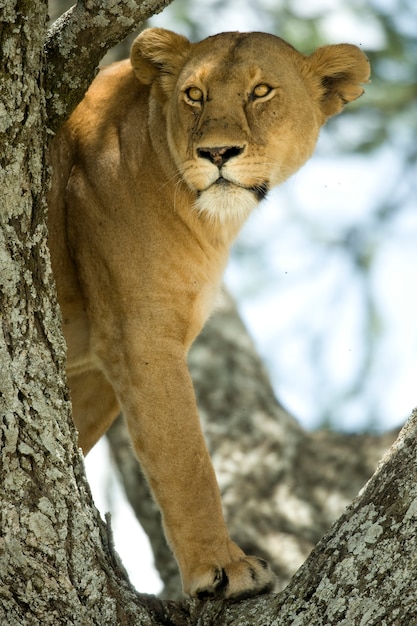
(78, 40)
(282, 487)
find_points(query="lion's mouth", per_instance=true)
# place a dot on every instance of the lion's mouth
(226, 199)
(260, 191)
(223, 181)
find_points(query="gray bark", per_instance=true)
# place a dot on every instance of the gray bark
(57, 562)
(78, 40)
(364, 570)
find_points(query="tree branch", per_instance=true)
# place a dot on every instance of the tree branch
(364, 570)
(78, 40)
(282, 488)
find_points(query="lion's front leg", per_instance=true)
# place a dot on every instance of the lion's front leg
(158, 402)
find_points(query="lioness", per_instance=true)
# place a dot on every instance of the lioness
(154, 174)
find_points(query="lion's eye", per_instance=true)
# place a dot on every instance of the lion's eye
(261, 90)
(194, 94)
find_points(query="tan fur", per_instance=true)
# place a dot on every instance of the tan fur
(140, 234)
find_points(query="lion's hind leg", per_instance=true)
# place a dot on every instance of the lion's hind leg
(94, 406)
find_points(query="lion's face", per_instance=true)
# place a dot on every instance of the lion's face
(243, 110)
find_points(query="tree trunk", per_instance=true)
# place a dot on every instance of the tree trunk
(57, 562)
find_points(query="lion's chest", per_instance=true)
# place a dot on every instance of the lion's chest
(200, 311)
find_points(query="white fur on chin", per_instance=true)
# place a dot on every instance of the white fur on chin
(224, 203)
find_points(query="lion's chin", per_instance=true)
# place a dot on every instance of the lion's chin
(227, 202)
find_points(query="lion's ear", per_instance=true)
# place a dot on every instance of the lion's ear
(156, 52)
(340, 70)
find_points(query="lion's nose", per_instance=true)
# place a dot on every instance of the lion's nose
(219, 155)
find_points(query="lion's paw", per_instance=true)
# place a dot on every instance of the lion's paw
(249, 576)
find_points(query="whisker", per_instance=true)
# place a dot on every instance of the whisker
(176, 175)
(177, 185)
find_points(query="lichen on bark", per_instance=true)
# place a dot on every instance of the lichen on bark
(57, 561)
(47, 517)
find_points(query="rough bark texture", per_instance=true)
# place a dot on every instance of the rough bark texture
(77, 42)
(42, 503)
(57, 563)
(363, 571)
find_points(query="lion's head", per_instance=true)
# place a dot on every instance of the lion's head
(243, 110)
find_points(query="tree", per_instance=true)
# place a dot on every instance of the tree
(57, 562)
